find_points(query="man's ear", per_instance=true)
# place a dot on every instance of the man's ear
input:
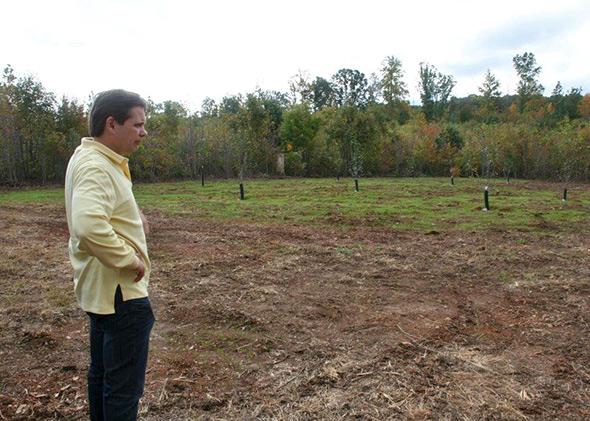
(110, 123)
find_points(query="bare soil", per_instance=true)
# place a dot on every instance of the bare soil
(290, 322)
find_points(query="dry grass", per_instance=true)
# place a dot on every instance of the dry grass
(276, 322)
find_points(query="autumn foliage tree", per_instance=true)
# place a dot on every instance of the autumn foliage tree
(347, 124)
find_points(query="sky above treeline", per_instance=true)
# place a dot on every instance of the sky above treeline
(185, 50)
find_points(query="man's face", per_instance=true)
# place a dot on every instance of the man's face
(129, 134)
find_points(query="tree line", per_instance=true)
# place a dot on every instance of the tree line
(349, 124)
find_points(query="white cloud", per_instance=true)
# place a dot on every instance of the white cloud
(184, 50)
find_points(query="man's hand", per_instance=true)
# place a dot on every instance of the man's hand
(140, 269)
(144, 221)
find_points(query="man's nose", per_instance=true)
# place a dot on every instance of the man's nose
(143, 132)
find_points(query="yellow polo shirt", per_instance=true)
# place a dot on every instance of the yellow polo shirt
(105, 227)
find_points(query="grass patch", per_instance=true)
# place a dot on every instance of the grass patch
(61, 298)
(414, 204)
(33, 195)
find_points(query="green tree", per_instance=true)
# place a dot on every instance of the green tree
(230, 109)
(572, 103)
(462, 110)
(490, 92)
(163, 154)
(272, 103)
(356, 132)
(393, 87)
(321, 93)
(230, 105)
(217, 146)
(558, 90)
(490, 88)
(448, 145)
(209, 108)
(33, 125)
(450, 136)
(297, 133)
(350, 88)
(374, 89)
(435, 91)
(300, 88)
(70, 127)
(528, 73)
(254, 130)
(324, 156)
(8, 134)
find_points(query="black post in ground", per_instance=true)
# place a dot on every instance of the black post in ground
(486, 199)
(356, 184)
(241, 191)
(202, 177)
(338, 177)
(452, 181)
(564, 195)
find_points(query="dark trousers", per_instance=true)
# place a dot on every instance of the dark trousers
(118, 358)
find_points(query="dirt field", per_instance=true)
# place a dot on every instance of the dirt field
(278, 322)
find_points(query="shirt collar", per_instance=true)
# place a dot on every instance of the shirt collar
(119, 160)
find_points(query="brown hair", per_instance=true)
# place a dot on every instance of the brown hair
(116, 103)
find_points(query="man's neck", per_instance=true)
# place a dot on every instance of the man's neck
(109, 143)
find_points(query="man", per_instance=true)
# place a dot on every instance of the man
(108, 252)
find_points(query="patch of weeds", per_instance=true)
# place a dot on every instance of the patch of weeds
(355, 251)
(345, 251)
(287, 250)
(234, 319)
(174, 336)
(33, 195)
(61, 298)
(226, 342)
(408, 204)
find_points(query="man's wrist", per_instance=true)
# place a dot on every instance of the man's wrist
(138, 262)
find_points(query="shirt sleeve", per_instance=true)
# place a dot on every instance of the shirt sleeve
(93, 201)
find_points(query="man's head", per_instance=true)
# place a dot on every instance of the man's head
(117, 119)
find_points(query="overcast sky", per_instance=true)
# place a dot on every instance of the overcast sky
(188, 50)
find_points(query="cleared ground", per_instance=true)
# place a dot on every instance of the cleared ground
(324, 315)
